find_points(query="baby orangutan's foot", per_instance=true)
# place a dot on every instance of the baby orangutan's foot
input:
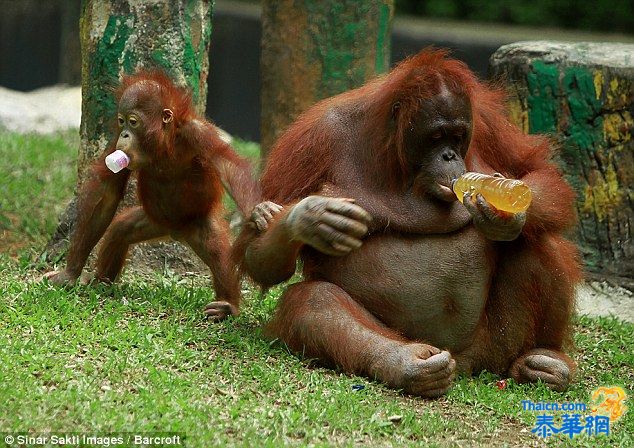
(220, 310)
(59, 278)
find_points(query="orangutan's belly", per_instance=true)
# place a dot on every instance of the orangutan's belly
(431, 288)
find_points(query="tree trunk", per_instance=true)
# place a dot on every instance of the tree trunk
(315, 49)
(70, 51)
(119, 37)
(583, 94)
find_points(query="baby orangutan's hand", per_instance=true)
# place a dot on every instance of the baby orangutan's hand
(263, 213)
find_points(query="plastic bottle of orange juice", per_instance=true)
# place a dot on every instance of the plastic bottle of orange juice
(509, 195)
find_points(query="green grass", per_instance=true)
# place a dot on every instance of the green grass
(138, 357)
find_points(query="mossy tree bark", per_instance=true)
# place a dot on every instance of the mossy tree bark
(117, 38)
(121, 36)
(583, 94)
(315, 49)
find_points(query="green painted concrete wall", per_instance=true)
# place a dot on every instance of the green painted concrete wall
(583, 95)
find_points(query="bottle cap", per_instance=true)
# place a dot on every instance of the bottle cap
(117, 161)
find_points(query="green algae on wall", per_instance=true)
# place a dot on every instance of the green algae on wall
(543, 85)
(106, 65)
(382, 59)
(315, 49)
(336, 31)
(582, 95)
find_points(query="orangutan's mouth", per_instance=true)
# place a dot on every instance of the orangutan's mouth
(445, 193)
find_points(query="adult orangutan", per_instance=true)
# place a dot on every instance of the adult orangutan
(402, 282)
(181, 165)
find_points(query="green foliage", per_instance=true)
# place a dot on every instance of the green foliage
(599, 15)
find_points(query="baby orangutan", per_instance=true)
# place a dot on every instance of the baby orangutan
(182, 166)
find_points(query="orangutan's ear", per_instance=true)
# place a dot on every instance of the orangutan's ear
(168, 116)
(396, 107)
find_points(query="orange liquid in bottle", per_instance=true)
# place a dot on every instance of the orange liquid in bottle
(509, 195)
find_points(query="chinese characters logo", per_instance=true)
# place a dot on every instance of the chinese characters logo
(606, 408)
